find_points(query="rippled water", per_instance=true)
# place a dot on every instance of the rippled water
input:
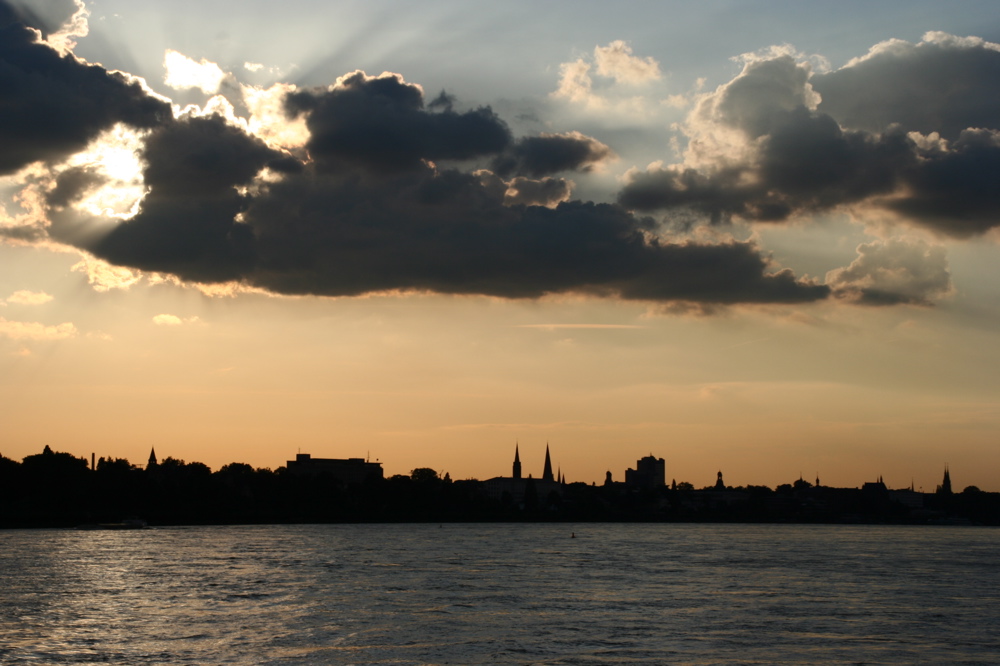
(509, 594)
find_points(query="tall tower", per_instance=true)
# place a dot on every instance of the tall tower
(152, 458)
(547, 472)
(517, 463)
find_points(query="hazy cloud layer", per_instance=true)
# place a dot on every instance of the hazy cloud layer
(764, 147)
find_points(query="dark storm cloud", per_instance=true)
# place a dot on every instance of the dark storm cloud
(381, 124)
(54, 105)
(944, 84)
(447, 232)
(796, 160)
(542, 192)
(444, 231)
(807, 164)
(547, 154)
(955, 190)
(71, 184)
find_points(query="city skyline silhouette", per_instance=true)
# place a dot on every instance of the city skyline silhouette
(737, 237)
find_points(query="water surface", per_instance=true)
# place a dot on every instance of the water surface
(501, 594)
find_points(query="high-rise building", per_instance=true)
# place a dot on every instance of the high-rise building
(649, 472)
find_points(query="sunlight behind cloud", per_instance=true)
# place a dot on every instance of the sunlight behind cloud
(114, 157)
(268, 119)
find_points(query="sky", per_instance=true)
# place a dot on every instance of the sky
(750, 237)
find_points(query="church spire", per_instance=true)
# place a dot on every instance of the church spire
(152, 458)
(547, 472)
(945, 487)
(517, 462)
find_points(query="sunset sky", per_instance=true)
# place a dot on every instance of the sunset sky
(755, 237)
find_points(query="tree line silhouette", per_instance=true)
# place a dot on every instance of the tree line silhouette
(53, 489)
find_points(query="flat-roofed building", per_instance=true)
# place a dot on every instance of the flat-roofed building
(348, 471)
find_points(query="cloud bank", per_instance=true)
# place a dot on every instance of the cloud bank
(908, 129)
(378, 189)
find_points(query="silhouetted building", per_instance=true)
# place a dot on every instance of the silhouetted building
(719, 483)
(515, 487)
(650, 472)
(152, 458)
(347, 471)
(875, 486)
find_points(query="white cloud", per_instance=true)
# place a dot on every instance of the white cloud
(184, 72)
(64, 41)
(167, 320)
(898, 270)
(102, 276)
(617, 62)
(30, 330)
(575, 83)
(25, 297)
(618, 72)
(173, 320)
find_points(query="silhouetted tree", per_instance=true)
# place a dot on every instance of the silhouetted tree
(424, 475)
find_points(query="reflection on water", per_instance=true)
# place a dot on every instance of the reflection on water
(517, 594)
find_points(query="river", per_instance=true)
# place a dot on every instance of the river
(501, 594)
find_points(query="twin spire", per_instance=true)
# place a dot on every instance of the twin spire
(547, 474)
